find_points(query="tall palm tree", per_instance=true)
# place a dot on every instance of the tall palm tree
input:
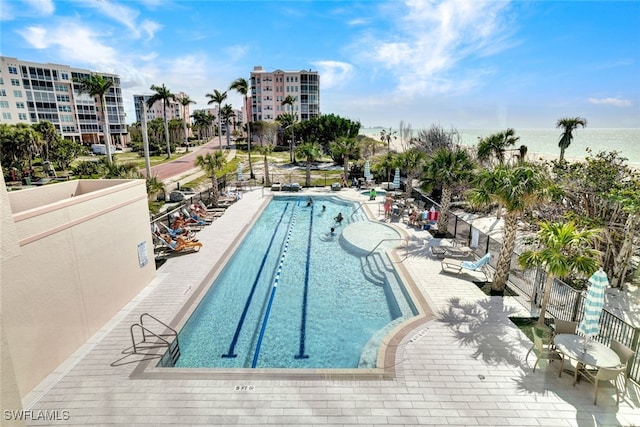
(563, 250)
(386, 136)
(568, 125)
(345, 148)
(447, 167)
(265, 150)
(185, 101)
(495, 145)
(212, 163)
(388, 162)
(290, 101)
(516, 189)
(218, 97)
(227, 113)
(97, 86)
(241, 85)
(162, 93)
(310, 152)
(411, 162)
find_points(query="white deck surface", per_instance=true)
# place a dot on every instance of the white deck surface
(465, 368)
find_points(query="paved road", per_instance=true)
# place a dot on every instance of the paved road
(184, 164)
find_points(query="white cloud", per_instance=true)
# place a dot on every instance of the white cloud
(43, 7)
(431, 38)
(126, 16)
(333, 73)
(616, 102)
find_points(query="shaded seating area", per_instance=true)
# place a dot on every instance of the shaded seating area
(542, 347)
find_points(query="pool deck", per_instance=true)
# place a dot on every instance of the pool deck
(465, 368)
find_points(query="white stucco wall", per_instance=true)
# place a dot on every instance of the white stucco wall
(78, 265)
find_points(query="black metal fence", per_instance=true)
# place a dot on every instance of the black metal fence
(527, 287)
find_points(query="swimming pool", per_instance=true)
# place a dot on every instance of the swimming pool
(295, 296)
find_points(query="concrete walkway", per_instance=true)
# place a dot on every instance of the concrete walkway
(465, 368)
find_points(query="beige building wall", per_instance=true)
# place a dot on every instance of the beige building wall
(79, 247)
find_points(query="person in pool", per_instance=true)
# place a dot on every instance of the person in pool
(310, 202)
(339, 218)
(333, 231)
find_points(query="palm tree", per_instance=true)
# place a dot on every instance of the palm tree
(516, 189)
(162, 93)
(345, 148)
(218, 98)
(241, 86)
(388, 162)
(227, 113)
(385, 136)
(495, 145)
(411, 162)
(212, 163)
(185, 101)
(447, 167)
(568, 125)
(310, 152)
(563, 250)
(97, 85)
(290, 101)
(266, 150)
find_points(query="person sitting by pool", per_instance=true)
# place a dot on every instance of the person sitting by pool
(413, 216)
(372, 194)
(310, 202)
(339, 218)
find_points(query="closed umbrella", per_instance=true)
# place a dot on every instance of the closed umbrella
(396, 179)
(239, 171)
(367, 171)
(593, 304)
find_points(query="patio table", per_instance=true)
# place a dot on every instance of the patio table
(591, 353)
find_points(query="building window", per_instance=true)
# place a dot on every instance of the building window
(62, 88)
(22, 116)
(3, 92)
(62, 98)
(17, 93)
(6, 116)
(1, 81)
(64, 108)
(4, 104)
(65, 76)
(15, 82)
(13, 70)
(66, 119)
(20, 105)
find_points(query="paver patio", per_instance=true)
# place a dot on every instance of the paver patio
(466, 367)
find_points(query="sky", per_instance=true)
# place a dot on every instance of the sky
(463, 64)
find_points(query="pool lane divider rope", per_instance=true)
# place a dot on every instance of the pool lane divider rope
(303, 321)
(274, 287)
(234, 341)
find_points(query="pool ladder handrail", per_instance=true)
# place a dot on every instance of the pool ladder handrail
(406, 241)
(358, 208)
(161, 337)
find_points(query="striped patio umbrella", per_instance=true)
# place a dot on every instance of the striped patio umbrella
(239, 171)
(396, 179)
(593, 304)
(367, 171)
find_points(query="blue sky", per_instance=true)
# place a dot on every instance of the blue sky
(466, 64)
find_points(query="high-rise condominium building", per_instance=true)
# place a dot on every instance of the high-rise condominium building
(269, 89)
(175, 110)
(31, 92)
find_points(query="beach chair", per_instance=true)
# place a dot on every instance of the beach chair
(179, 245)
(456, 266)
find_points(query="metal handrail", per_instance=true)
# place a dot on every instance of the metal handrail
(390, 240)
(358, 208)
(144, 329)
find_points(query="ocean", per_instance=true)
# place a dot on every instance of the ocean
(544, 142)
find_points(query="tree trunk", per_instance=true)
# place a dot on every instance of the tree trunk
(503, 265)
(626, 250)
(346, 169)
(409, 186)
(214, 190)
(308, 178)
(251, 174)
(105, 131)
(443, 218)
(267, 179)
(166, 132)
(545, 299)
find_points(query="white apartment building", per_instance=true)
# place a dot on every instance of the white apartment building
(31, 92)
(175, 110)
(269, 89)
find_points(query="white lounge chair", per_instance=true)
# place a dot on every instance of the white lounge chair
(457, 266)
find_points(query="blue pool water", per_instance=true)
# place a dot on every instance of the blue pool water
(327, 309)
